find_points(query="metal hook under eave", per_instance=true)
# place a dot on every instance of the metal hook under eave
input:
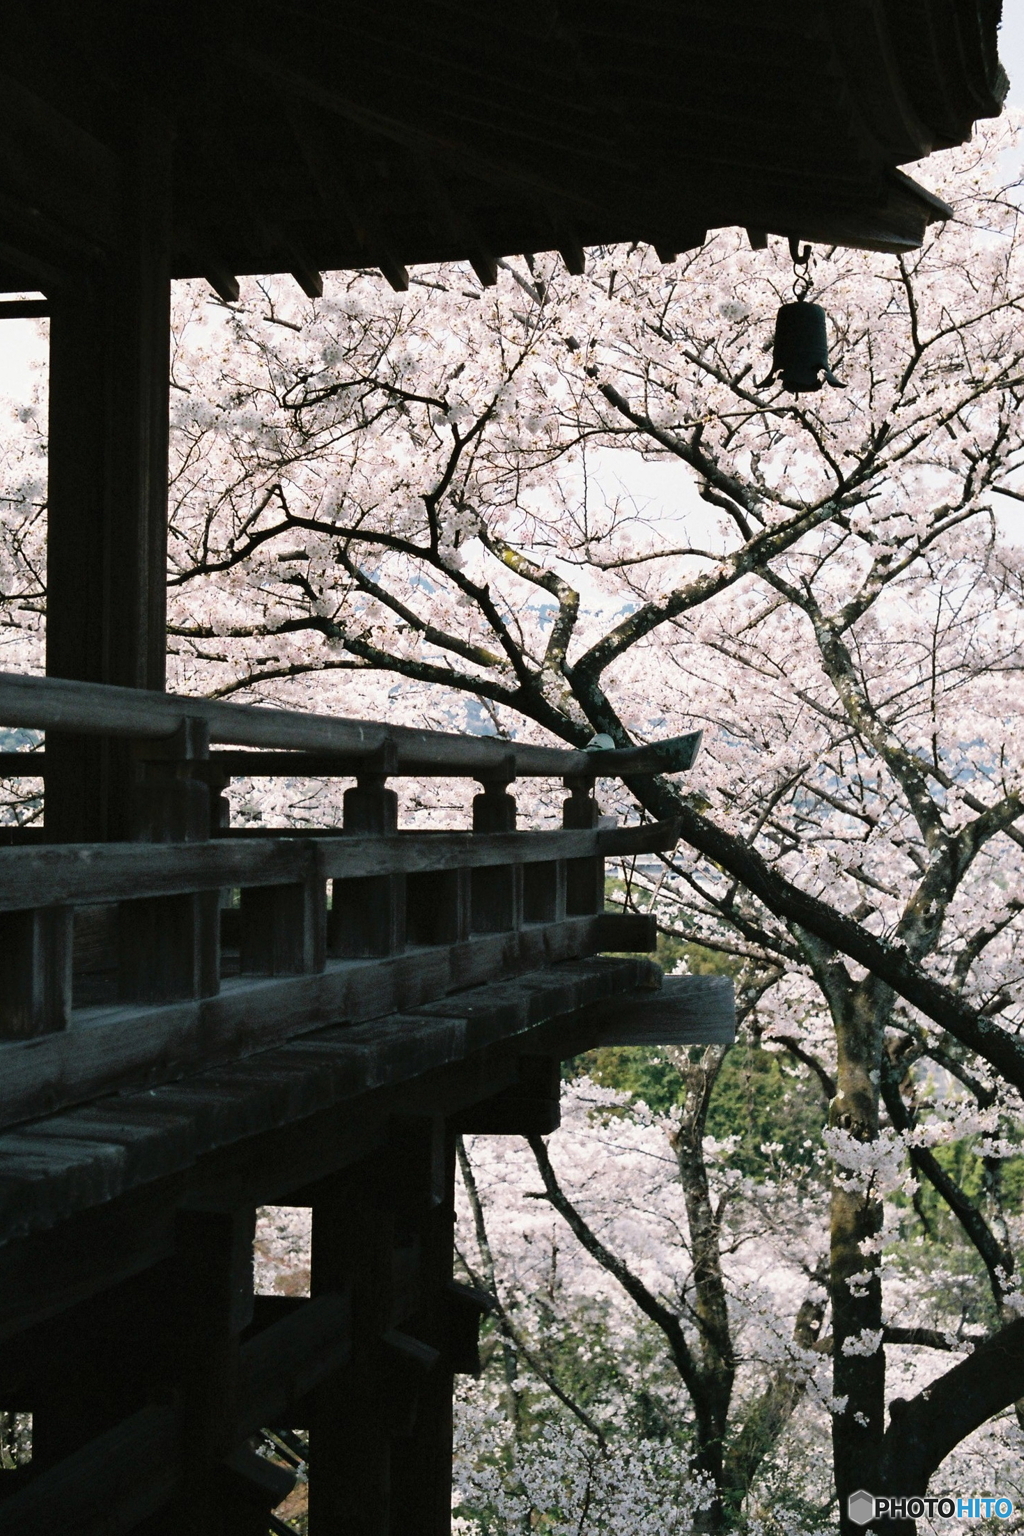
(800, 258)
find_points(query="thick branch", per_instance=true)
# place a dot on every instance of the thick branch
(923, 1431)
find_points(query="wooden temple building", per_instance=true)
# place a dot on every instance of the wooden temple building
(169, 1060)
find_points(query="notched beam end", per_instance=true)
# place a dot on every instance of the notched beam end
(395, 275)
(224, 285)
(311, 282)
(689, 1010)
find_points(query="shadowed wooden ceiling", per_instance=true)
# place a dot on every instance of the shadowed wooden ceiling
(307, 136)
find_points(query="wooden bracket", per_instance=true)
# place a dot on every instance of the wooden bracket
(465, 1309)
(530, 1107)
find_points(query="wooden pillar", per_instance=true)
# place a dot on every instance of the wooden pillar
(367, 917)
(208, 1303)
(380, 1431)
(349, 1436)
(421, 1484)
(584, 878)
(497, 889)
(107, 497)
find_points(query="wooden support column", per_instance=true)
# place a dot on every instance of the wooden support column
(421, 1482)
(107, 497)
(367, 917)
(497, 890)
(209, 1301)
(349, 1433)
(584, 878)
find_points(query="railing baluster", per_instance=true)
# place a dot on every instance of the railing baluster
(438, 906)
(35, 971)
(283, 929)
(169, 946)
(544, 892)
(497, 890)
(367, 917)
(584, 878)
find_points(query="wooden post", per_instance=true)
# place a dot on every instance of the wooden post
(544, 892)
(169, 946)
(208, 1303)
(421, 1491)
(438, 906)
(107, 497)
(349, 1438)
(584, 878)
(367, 917)
(283, 929)
(35, 971)
(497, 890)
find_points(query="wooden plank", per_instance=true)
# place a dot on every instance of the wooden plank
(108, 1487)
(76, 1160)
(689, 1010)
(108, 1048)
(56, 704)
(98, 1248)
(93, 873)
(281, 1365)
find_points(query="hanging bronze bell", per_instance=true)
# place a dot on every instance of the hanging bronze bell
(800, 352)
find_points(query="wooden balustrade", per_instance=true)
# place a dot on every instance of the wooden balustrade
(413, 916)
(303, 1015)
(131, 962)
(51, 703)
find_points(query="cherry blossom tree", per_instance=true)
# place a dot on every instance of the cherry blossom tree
(425, 489)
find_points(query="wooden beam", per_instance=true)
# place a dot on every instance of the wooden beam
(93, 873)
(529, 1107)
(281, 1365)
(310, 281)
(56, 704)
(122, 1048)
(687, 1010)
(224, 284)
(84, 1157)
(24, 309)
(107, 1488)
(98, 1248)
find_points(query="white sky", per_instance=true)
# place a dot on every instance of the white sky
(23, 348)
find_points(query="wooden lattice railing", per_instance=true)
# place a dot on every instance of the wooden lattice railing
(131, 963)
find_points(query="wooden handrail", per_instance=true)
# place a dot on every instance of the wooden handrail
(85, 873)
(56, 704)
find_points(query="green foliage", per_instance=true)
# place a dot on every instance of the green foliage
(758, 1097)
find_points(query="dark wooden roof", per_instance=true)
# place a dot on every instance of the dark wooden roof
(311, 135)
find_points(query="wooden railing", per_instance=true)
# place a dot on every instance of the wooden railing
(130, 963)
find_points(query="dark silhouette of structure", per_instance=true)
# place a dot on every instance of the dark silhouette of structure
(172, 1056)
